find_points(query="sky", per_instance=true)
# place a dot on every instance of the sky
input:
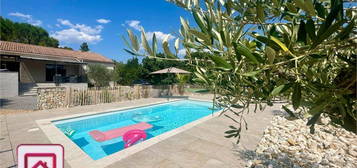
(101, 23)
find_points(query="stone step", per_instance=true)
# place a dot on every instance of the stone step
(29, 94)
(29, 91)
(46, 85)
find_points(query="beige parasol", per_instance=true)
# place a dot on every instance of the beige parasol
(171, 70)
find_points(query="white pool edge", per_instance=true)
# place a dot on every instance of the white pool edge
(76, 157)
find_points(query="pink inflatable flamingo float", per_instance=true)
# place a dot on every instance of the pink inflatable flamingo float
(133, 136)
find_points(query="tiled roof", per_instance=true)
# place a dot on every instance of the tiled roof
(50, 52)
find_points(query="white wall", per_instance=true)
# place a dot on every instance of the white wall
(107, 65)
(9, 84)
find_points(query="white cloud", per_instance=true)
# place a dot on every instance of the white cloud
(75, 36)
(64, 22)
(77, 33)
(160, 36)
(21, 15)
(134, 24)
(27, 18)
(181, 52)
(103, 21)
(82, 27)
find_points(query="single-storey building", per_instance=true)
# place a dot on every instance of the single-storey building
(24, 68)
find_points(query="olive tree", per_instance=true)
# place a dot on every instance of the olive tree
(301, 50)
(99, 75)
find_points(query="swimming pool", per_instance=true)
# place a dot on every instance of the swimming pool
(163, 117)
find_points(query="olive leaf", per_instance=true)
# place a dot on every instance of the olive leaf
(268, 42)
(134, 40)
(145, 43)
(296, 97)
(312, 121)
(252, 73)
(330, 18)
(291, 113)
(165, 46)
(310, 29)
(177, 43)
(184, 24)
(220, 62)
(199, 20)
(154, 44)
(242, 50)
(282, 45)
(205, 38)
(302, 32)
(270, 54)
(277, 90)
(327, 33)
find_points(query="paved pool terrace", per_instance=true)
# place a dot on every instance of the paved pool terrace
(197, 144)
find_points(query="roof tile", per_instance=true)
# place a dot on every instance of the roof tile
(12, 47)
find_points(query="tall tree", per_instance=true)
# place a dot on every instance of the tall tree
(126, 74)
(84, 47)
(65, 47)
(25, 33)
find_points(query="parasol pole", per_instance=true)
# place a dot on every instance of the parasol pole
(168, 97)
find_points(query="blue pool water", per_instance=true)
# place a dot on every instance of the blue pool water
(171, 115)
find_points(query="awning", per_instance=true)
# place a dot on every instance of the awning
(64, 59)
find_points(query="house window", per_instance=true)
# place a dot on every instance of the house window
(9, 63)
(54, 70)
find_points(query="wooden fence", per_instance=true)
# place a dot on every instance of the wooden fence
(67, 97)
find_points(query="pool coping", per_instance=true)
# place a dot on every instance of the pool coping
(76, 157)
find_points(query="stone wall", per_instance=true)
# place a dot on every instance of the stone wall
(49, 98)
(58, 97)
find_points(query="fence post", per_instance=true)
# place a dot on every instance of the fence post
(100, 96)
(85, 96)
(70, 97)
(116, 94)
(119, 94)
(96, 95)
(67, 97)
(104, 95)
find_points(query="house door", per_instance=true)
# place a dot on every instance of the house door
(53, 70)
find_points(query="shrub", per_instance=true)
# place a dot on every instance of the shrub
(99, 75)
